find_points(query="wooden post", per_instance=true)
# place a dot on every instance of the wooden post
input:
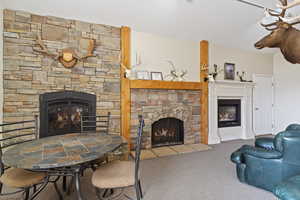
(204, 59)
(204, 51)
(125, 83)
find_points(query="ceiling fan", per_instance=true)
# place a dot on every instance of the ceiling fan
(267, 16)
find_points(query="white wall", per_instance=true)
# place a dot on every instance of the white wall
(1, 61)
(155, 50)
(287, 95)
(248, 61)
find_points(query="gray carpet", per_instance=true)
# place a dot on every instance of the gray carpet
(205, 175)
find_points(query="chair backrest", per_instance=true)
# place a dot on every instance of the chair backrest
(138, 147)
(291, 150)
(291, 131)
(14, 133)
(98, 123)
(288, 142)
(293, 127)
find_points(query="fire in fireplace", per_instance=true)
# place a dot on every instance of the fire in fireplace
(229, 113)
(166, 132)
(60, 112)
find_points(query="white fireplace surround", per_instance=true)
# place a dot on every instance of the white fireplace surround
(230, 90)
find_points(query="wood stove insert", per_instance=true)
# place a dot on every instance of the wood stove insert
(60, 112)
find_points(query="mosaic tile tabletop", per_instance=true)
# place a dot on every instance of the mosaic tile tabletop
(61, 151)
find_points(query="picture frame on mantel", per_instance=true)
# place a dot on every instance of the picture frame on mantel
(142, 75)
(157, 76)
(229, 71)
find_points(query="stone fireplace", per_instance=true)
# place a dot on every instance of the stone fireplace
(30, 75)
(167, 114)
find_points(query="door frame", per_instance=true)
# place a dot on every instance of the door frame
(254, 76)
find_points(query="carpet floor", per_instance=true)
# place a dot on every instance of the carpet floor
(207, 175)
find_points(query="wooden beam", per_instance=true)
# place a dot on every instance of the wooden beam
(125, 83)
(204, 114)
(204, 59)
(165, 85)
(126, 46)
(204, 56)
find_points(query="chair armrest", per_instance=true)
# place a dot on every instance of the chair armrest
(265, 142)
(237, 157)
(261, 152)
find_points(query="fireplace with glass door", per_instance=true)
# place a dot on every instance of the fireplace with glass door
(60, 112)
(229, 113)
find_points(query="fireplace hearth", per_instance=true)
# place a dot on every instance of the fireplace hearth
(60, 112)
(229, 113)
(166, 132)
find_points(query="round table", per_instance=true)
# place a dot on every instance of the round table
(62, 151)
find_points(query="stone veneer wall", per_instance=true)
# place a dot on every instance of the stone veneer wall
(27, 74)
(157, 104)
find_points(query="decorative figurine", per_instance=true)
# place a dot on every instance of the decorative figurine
(174, 74)
(241, 76)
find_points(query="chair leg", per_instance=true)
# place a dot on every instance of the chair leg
(40, 189)
(99, 196)
(1, 186)
(64, 183)
(57, 191)
(34, 188)
(70, 187)
(137, 191)
(27, 193)
(140, 188)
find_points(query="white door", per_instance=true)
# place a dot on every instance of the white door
(263, 104)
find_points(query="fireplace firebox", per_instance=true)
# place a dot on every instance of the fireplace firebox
(229, 113)
(166, 132)
(60, 112)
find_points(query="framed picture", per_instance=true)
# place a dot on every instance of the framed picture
(229, 71)
(156, 76)
(142, 75)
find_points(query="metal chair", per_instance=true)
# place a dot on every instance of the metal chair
(120, 174)
(22, 180)
(98, 123)
(91, 124)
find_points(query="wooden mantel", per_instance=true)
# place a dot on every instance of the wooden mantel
(167, 85)
(127, 85)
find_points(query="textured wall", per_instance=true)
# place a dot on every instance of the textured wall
(1, 62)
(27, 74)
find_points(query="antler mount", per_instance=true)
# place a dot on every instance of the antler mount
(68, 57)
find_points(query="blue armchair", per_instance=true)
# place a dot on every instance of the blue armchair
(271, 161)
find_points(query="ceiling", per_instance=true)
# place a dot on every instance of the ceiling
(224, 22)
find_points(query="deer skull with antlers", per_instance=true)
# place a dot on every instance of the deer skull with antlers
(283, 36)
(68, 57)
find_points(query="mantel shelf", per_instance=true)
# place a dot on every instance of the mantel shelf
(231, 82)
(165, 85)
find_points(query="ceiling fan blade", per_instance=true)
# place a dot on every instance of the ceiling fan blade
(257, 5)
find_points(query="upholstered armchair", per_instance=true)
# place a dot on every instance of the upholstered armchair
(269, 162)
